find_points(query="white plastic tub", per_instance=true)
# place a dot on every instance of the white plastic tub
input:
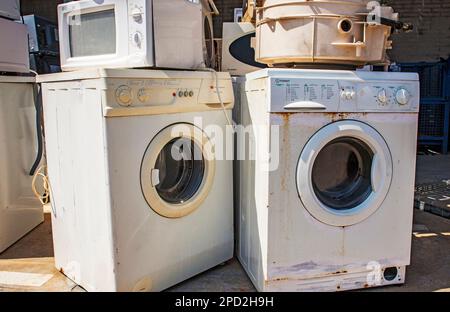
(315, 31)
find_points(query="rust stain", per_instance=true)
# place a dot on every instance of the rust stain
(284, 115)
(338, 272)
(343, 241)
(281, 279)
(342, 116)
(286, 139)
(337, 116)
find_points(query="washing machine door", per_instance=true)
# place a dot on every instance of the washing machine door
(344, 173)
(177, 170)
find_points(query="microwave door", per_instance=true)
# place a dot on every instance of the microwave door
(92, 34)
(178, 27)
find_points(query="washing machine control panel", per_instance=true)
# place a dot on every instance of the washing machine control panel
(343, 95)
(154, 93)
(379, 96)
(166, 95)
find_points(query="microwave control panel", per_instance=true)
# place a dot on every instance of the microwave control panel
(138, 15)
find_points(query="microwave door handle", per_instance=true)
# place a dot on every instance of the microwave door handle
(307, 105)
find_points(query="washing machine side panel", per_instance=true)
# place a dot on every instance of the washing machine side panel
(238, 88)
(299, 245)
(386, 235)
(155, 252)
(254, 176)
(81, 218)
(18, 205)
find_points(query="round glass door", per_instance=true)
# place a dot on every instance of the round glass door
(180, 172)
(344, 173)
(177, 172)
(341, 174)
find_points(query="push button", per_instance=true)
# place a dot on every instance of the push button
(348, 94)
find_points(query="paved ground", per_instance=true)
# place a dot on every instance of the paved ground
(432, 168)
(429, 271)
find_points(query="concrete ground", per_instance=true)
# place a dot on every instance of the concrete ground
(432, 168)
(429, 270)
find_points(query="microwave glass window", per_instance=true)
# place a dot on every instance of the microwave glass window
(93, 34)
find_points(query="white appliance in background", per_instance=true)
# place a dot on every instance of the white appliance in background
(10, 9)
(336, 213)
(238, 15)
(20, 211)
(238, 55)
(141, 33)
(136, 218)
(14, 55)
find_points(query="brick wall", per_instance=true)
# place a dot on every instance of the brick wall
(44, 8)
(430, 39)
(226, 8)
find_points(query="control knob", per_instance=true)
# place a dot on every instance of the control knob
(137, 39)
(143, 95)
(124, 96)
(382, 96)
(137, 15)
(402, 97)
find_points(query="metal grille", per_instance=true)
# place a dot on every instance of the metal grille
(434, 198)
(431, 78)
(432, 119)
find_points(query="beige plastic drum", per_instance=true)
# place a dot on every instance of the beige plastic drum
(311, 32)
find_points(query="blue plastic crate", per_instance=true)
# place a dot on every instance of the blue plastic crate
(434, 117)
(434, 78)
(434, 123)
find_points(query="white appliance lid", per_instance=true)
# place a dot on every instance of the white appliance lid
(129, 73)
(332, 74)
(17, 79)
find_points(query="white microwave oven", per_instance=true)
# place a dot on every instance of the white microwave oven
(238, 55)
(13, 47)
(131, 34)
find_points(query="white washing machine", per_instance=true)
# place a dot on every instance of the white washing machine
(20, 210)
(128, 214)
(332, 208)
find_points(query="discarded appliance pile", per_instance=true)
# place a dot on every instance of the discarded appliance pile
(140, 167)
